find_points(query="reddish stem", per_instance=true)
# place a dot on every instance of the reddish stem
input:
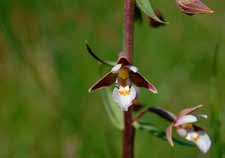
(129, 131)
(128, 135)
(128, 28)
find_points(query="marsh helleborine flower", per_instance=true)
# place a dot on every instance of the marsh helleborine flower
(126, 78)
(192, 7)
(184, 126)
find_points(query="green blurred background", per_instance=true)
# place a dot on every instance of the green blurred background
(45, 72)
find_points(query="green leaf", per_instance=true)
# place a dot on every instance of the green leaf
(114, 112)
(146, 7)
(101, 61)
(158, 133)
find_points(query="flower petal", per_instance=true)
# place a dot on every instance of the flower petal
(201, 139)
(182, 131)
(140, 81)
(189, 110)
(122, 60)
(124, 96)
(105, 81)
(116, 68)
(185, 119)
(169, 134)
(133, 68)
(201, 115)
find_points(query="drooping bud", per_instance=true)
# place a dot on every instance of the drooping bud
(191, 7)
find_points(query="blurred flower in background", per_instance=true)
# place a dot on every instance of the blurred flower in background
(184, 126)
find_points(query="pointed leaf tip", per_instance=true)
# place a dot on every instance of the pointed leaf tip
(89, 90)
(155, 24)
(93, 54)
(146, 7)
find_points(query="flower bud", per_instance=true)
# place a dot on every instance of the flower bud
(191, 7)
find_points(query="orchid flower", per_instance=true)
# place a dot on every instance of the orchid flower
(183, 123)
(126, 77)
(184, 126)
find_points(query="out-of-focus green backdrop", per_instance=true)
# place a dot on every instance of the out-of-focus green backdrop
(45, 72)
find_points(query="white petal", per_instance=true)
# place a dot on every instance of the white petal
(182, 132)
(133, 68)
(201, 139)
(186, 119)
(124, 100)
(116, 68)
(202, 116)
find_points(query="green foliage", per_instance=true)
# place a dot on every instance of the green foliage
(146, 7)
(114, 112)
(45, 108)
(155, 131)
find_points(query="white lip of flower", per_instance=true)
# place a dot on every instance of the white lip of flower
(124, 96)
(201, 139)
(116, 68)
(185, 129)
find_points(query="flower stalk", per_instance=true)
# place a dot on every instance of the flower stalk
(126, 79)
(129, 131)
(129, 6)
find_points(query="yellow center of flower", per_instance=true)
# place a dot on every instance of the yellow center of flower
(187, 125)
(196, 137)
(123, 73)
(124, 92)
